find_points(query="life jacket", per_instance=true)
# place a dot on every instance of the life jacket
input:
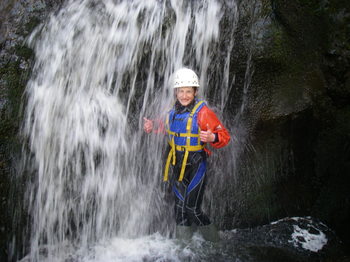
(184, 135)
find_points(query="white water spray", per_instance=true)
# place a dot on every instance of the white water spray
(100, 67)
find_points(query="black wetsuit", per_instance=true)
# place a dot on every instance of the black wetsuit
(189, 192)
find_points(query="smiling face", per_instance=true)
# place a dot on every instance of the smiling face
(185, 95)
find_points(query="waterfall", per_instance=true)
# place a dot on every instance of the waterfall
(100, 67)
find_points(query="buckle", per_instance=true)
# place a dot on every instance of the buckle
(180, 148)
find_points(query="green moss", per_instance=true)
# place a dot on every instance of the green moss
(13, 76)
(279, 50)
(33, 22)
(24, 51)
(266, 8)
(14, 82)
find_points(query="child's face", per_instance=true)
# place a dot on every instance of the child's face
(185, 95)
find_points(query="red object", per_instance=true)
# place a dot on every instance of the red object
(207, 118)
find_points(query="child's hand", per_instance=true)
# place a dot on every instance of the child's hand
(207, 136)
(147, 125)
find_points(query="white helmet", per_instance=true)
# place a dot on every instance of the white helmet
(185, 77)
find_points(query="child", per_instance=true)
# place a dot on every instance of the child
(190, 125)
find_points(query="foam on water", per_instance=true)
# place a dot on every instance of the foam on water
(147, 248)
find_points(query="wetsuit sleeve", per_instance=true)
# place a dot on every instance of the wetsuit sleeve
(207, 118)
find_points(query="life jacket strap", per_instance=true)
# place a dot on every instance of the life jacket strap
(172, 155)
(182, 134)
(184, 162)
(187, 148)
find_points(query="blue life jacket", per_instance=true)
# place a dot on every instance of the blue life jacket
(178, 124)
(183, 132)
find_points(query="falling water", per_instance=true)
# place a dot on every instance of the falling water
(100, 67)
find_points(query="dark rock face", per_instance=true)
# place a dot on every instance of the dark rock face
(298, 162)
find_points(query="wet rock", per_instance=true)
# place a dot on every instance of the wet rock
(297, 158)
(289, 239)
